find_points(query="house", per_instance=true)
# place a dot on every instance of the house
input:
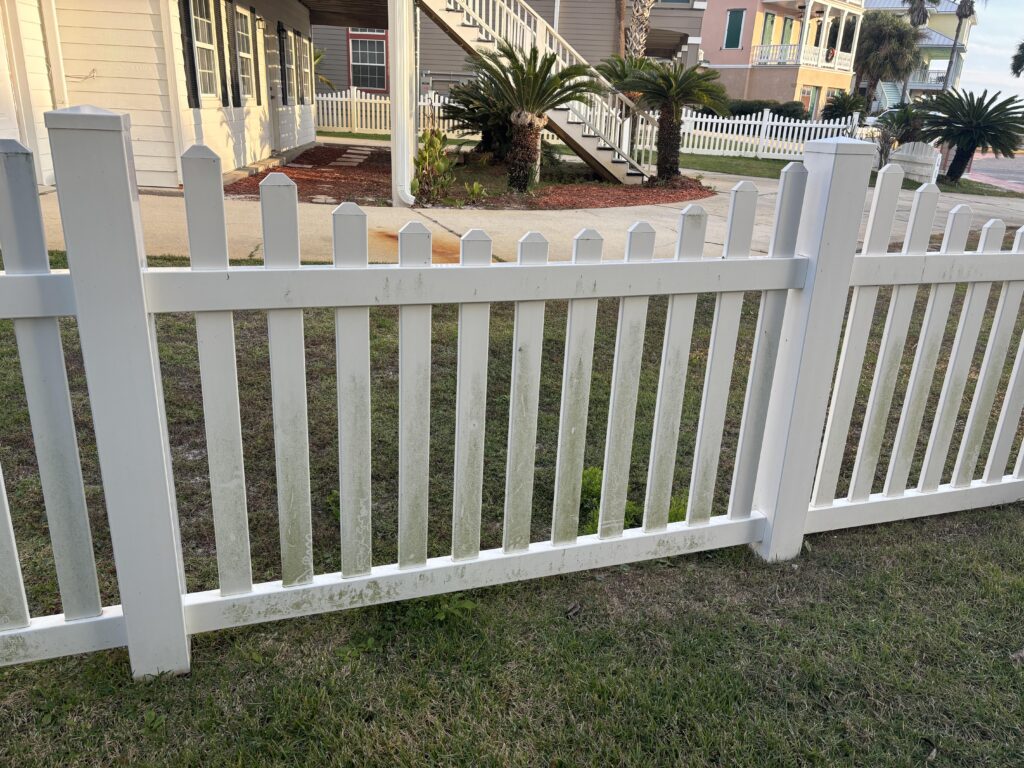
(786, 50)
(186, 71)
(938, 47)
(357, 56)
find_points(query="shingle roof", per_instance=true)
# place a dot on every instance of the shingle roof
(944, 6)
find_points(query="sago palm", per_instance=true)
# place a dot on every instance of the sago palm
(969, 122)
(1017, 63)
(965, 11)
(888, 50)
(618, 69)
(843, 104)
(668, 87)
(530, 85)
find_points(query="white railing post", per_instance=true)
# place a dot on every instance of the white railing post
(837, 182)
(99, 205)
(766, 119)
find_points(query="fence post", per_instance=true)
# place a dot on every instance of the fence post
(766, 118)
(837, 182)
(99, 206)
(353, 111)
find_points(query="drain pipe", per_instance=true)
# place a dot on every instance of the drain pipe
(402, 66)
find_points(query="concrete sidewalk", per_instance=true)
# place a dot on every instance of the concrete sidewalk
(163, 220)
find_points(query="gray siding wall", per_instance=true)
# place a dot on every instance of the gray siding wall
(334, 65)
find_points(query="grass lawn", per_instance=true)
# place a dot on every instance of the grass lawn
(886, 646)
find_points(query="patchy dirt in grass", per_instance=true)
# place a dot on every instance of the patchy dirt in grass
(321, 179)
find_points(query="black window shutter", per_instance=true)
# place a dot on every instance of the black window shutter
(188, 53)
(219, 37)
(236, 90)
(300, 84)
(282, 41)
(254, 28)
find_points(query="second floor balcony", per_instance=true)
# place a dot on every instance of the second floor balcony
(795, 54)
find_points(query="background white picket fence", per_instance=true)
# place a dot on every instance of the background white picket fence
(764, 135)
(785, 478)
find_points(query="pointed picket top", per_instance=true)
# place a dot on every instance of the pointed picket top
(922, 216)
(414, 245)
(640, 242)
(693, 225)
(13, 147)
(348, 209)
(992, 235)
(276, 179)
(790, 201)
(475, 248)
(1018, 243)
(795, 168)
(740, 226)
(350, 237)
(958, 227)
(199, 152)
(884, 203)
(533, 248)
(587, 247)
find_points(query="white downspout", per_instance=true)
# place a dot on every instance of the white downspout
(558, 13)
(402, 66)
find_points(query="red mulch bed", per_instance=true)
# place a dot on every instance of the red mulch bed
(370, 184)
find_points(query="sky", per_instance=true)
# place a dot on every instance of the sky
(991, 46)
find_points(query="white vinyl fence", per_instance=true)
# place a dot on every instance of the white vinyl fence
(763, 136)
(784, 478)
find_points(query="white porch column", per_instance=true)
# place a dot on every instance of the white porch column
(805, 29)
(823, 39)
(402, 65)
(840, 37)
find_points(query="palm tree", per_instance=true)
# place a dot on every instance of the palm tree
(618, 69)
(639, 28)
(964, 11)
(477, 106)
(917, 12)
(969, 123)
(887, 51)
(668, 87)
(530, 85)
(318, 56)
(1017, 63)
(843, 104)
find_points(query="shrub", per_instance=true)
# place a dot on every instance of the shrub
(741, 107)
(792, 109)
(434, 176)
(475, 192)
(843, 104)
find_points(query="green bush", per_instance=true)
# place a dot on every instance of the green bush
(792, 109)
(741, 107)
(434, 176)
(590, 505)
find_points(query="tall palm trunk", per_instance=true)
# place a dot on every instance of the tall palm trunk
(670, 123)
(524, 154)
(953, 54)
(639, 27)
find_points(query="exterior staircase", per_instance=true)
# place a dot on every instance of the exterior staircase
(608, 132)
(889, 95)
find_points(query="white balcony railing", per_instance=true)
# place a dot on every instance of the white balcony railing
(925, 78)
(793, 54)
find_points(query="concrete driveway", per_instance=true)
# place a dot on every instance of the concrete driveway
(999, 171)
(163, 219)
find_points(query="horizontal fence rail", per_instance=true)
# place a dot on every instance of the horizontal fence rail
(766, 485)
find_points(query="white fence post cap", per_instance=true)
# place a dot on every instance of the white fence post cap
(13, 147)
(840, 145)
(86, 118)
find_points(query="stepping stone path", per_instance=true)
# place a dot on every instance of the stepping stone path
(353, 156)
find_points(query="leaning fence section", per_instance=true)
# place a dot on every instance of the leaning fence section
(779, 489)
(764, 135)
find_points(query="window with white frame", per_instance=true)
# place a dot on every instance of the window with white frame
(368, 63)
(244, 44)
(304, 66)
(289, 66)
(203, 38)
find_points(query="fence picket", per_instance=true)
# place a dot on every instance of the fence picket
(527, 354)
(572, 421)
(629, 352)
(46, 391)
(1013, 400)
(858, 327)
(279, 207)
(793, 183)
(992, 365)
(215, 335)
(352, 339)
(894, 339)
(922, 374)
(721, 356)
(13, 603)
(414, 331)
(965, 344)
(470, 408)
(675, 361)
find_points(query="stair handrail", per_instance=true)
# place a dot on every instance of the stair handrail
(636, 121)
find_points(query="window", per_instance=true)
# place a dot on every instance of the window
(369, 64)
(810, 95)
(367, 31)
(734, 28)
(206, 54)
(304, 65)
(787, 31)
(289, 66)
(768, 29)
(244, 42)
